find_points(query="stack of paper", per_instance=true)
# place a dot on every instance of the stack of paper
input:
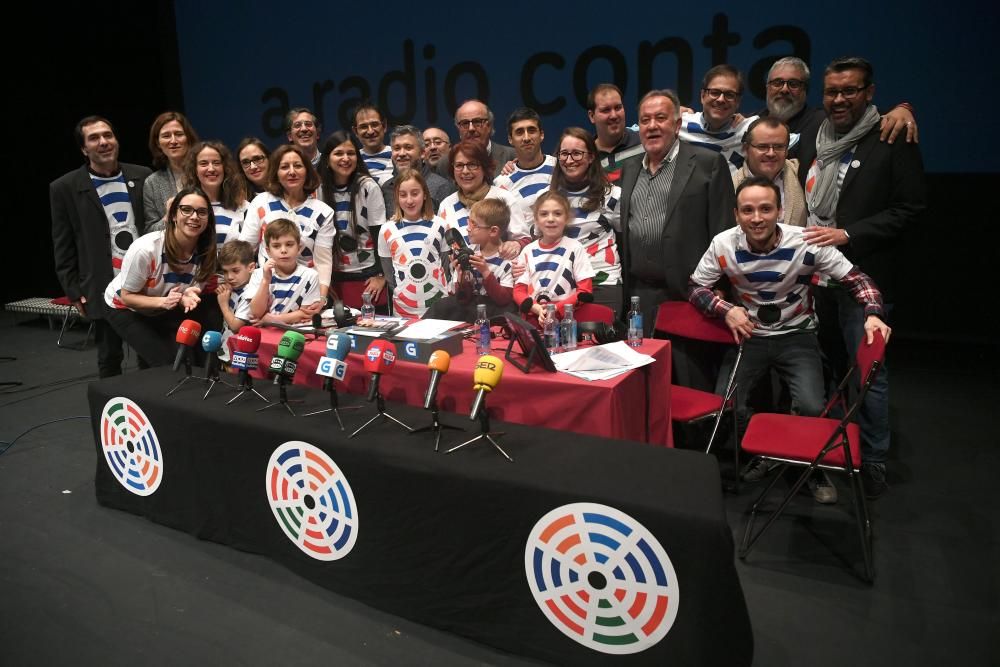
(600, 362)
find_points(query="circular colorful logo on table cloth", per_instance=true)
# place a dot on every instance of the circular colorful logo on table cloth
(130, 446)
(312, 501)
(601, 578)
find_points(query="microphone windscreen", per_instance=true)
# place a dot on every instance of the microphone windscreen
(188, 333)
(373, 357)
(388, 356)
(211, 341)
(338, 345)
(247, 340)
(291, 345)
(439, 361)
(487, 373)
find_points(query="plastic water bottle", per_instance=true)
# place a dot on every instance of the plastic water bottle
(635, 324)
(483, 330)
(567, 330)
(550, 332)
(367, 309)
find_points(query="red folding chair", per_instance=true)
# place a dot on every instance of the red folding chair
(818, 442)
(687, 405)
(594, 312)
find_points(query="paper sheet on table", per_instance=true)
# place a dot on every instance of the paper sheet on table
(600, 362)
(427, 329)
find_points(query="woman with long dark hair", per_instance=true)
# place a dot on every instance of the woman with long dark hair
(254, 157)
(594, 200)
(161, 280)
(359, 206)
(211, 167)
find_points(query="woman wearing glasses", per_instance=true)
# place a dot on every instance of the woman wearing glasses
(291, 182)
(211, 167)
(357, 200)
(578, 177)
(473, 172)
(161, 279)
(253, 157)
(170, 137)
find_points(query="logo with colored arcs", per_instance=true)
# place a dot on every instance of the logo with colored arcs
(130, 446)
(601, 578)
(312, 501)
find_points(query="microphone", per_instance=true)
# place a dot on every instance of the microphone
(290, 348)
(379, 358)
(211, 342)
(187, 335)
(332, 366)
(244, 345)
(438, 366)
(485, 379)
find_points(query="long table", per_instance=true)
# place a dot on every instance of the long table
(632, 406)
(581, 549)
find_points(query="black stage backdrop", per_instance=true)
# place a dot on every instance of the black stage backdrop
(441, 539)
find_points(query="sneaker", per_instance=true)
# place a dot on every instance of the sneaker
(822, 489)
(873, 479)
(757, 469)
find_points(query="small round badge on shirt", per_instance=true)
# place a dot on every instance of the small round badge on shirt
(855, 164)
(819, 163)
(131, 184)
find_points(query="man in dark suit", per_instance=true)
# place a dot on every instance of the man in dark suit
(675, 199)
(862, 195)
(95, 218)
(474, 121)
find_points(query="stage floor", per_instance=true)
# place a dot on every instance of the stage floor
(86, 585)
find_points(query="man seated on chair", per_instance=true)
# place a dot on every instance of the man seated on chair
(770, 267)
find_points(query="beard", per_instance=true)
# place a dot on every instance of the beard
(784, 108)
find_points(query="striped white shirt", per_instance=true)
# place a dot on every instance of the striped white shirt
(528, 184)
(453, 212)
(415, 248)
(228, 224)
(289, 293)
(315, 221)
(379, 164)
(554, 271)
(595, 231)
(113, 194)
(369, 213)
(145, 271)
(728, 141)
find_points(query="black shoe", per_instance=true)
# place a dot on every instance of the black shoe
(757, 469)
(821, 487)
(873, 480)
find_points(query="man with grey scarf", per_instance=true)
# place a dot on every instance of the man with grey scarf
(862, 194)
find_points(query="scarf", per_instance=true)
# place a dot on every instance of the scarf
(478, 195)
(825, 194)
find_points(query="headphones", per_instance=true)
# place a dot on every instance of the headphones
(341, 314)
(602, 333)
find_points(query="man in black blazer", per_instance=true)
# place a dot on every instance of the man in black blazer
(675, 199)
(862, 194)
(96, 215)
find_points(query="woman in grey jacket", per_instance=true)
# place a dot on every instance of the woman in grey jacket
(170, 137)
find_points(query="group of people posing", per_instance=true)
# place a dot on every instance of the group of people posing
(752, 218)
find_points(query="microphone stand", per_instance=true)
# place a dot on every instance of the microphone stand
(380, 405)
(484, 433)
(282, 396)
(246, 387)
(334, 404)
(187, 374)
(436, 425)
(212, 375)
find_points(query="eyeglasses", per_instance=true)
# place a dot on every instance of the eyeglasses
(436, 142)
(848, 93)
(793, 84)
(764, 148)
(572, 156)
(255, 160)
(728, 95)
(191, 210)
(372, 125)
(472, 122)
(471, 166)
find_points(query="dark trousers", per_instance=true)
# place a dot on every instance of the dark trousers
(110, 353)
(153, 337)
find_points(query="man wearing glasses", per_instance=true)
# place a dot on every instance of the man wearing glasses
(302, 129)
(787, 89)
(717, 127)
(96, 215)
(765, 145)
(437, 143)
(675, 199)
(862, 195)
(474, 121)
(369, 128)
